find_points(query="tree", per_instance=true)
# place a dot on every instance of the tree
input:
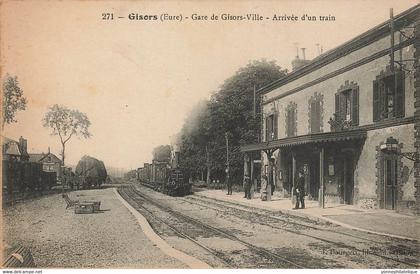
(66, 123)
(229, 110)
(162, 153)
(13, 99)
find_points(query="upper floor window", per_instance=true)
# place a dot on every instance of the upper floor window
(388, 95)
(271, 127)
(291, 120)
(315, 113)
(347, 104)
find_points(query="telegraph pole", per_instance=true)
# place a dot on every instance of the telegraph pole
(255, 101)
(227, 163)
(208, 165)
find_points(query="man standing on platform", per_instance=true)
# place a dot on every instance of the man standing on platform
(300, 190)
(247, 187)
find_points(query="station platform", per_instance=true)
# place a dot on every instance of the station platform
(59, 238)
(382, 222)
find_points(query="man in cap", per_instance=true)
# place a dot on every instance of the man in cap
(300, 190)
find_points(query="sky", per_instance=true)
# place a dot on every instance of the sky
(138, 80)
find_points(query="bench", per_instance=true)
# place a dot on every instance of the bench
(20, 257)
(69, 202)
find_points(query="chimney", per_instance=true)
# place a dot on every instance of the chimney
(303, 53)
(298, 63)
(49, 150)
(297, 50)
(23, 145)
(175, 162)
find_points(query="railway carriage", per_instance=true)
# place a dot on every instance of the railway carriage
(22, 176)
(161, 177)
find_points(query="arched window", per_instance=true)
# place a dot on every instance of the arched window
(315, 109)
(291, 119)
(388, 95)
(347, 103)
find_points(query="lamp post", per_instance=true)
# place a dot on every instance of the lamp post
(391, 146)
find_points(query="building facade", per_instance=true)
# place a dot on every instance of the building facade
(350, 120)
(15, 150)
(50, 162)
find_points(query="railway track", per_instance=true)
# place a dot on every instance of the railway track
(129, 197)
(267, 258)
(266, 220)
(205, 202)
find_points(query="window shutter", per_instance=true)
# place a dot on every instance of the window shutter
(383, 99)
(311, 117)
(318, 116)
(399, 95)
(275, 125)
(315, 116)
(355, 106)
(337, 104)
(266, 129)
(289, 121)
(269, 127)
(342, 112)
(376, 101)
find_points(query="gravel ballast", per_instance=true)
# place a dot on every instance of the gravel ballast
(59, 238)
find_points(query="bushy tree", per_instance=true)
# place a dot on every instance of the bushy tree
(66, 123)
(13, 99)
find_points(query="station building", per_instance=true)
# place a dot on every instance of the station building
(350, 119)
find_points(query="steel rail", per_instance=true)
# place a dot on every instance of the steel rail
(123, 192)
(311, 236)
(220, 231)
(248, 208)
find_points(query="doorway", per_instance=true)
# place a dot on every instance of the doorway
(313, 177)
(347, 189)
(390, 182)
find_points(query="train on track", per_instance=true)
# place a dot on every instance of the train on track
(165, 176)
(25, 176)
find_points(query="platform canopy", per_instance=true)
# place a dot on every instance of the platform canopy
(307, 139)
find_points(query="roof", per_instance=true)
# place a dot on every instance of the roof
(10, 146)
(354, 44)
(7, 140)
(36, 157)
(40, 157)
(307, 139)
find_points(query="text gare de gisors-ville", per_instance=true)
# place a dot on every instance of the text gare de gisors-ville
(228, 17)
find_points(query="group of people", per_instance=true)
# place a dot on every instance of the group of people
(298, 188)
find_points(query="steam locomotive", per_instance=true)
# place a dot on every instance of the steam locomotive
(165, 177)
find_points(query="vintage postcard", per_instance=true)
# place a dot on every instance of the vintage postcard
(231, 135)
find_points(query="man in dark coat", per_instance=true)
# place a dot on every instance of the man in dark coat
(300, 190)
(247, 187)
